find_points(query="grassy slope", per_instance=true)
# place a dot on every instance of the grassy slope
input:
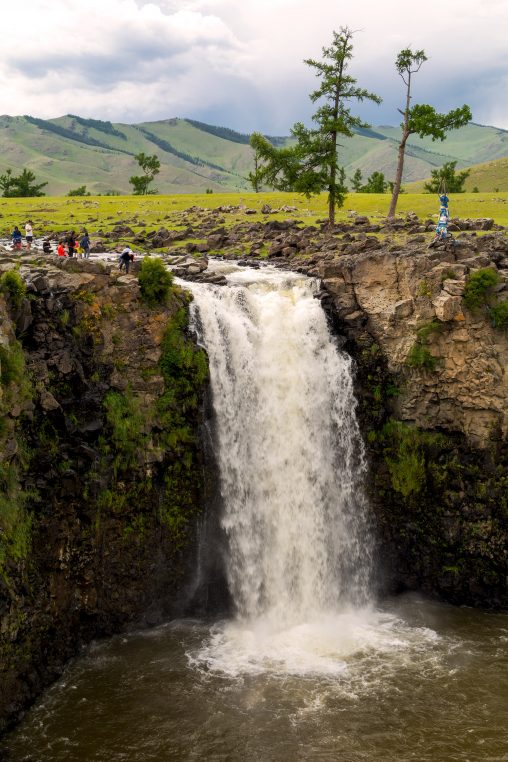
(66, 163)
(468, 145)
(491, 175)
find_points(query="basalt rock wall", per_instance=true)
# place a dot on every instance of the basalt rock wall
(102, 473)
(432, 385)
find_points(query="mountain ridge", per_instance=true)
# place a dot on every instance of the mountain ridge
(70, 151)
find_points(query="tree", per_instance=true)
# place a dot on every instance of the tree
(22, 186)
(311, 164)
(151, 167)
(446, 177)
(420, 118)
(376, 183)
(81, 191)
(7, 183)
(255, 177)
(356, 180)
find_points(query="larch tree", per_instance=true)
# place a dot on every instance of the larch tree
(150, 165)
(311, 164)
(420, 119)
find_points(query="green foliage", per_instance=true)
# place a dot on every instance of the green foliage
(63, 132)
(185, 369)
(150, 165)
(81, 191)
(425, 331)
(12, 364)
(420, 119)
(376, 183)
(448, 274)
(15, 520)
(447, 177)
(499, 315)
(87, 297)
(100, 125)
(310, 165)
(12, 284)
(419, 355)
(405, 450)
(425, 121)
(356, 181)
(126, 429)
(154, 281)
(21, 186)
(479, 287)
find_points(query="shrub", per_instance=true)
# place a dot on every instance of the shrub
(499, 315)
(479, 287)
(407, 451)
(420, 357)
(12, 364)
(12, 285)
(154, 281)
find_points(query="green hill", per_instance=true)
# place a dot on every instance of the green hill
(71, 151)
(487, 177)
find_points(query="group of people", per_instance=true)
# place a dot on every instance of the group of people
(17, 237)
(73, 246)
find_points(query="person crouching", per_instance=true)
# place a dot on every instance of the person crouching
(126, 257)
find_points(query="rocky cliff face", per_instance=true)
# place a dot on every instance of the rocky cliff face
(102, 471)
(433, 389)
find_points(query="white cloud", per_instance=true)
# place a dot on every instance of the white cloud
(241, 61)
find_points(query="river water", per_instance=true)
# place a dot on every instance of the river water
(309, 666)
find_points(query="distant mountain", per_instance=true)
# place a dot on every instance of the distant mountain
(71, 151)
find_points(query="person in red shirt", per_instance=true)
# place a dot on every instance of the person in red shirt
(61, 250)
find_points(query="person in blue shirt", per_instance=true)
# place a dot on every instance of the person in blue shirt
(85, 245)
(16, 237)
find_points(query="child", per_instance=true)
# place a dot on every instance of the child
(61, 250)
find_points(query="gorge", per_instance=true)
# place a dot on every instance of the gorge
(116, 425)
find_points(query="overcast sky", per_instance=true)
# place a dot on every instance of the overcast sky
(239, 63)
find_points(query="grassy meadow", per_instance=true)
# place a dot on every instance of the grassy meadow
(101, 214)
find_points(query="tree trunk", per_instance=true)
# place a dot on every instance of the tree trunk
(402, 147)
(398, 176)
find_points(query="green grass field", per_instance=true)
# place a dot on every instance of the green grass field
(102, 213)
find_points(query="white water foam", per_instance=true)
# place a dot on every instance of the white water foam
(291, 468)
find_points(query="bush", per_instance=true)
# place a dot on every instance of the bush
(420, 357)
(499, 315)
(12, 285)
(479, 287)
(154, 281)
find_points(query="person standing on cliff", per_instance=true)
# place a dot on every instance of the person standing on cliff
(29, 234)
(71, 243)
(85, 245)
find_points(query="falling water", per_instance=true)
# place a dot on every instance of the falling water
(289, 453)
(309, 668)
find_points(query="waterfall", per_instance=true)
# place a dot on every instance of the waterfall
(290, 456)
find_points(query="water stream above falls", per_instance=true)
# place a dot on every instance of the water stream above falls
(309, 667)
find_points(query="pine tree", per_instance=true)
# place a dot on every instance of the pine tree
(447, 177)
(311, 164)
